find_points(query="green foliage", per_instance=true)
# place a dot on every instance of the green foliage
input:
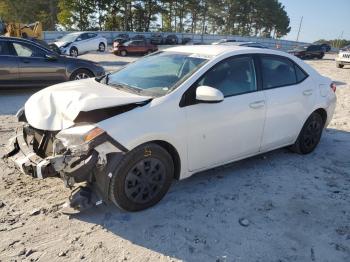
(245, 17)
(29, 11)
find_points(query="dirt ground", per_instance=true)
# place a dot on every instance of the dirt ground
(274, 207)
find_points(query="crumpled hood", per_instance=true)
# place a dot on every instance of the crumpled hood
(59, 44)
(55, 108)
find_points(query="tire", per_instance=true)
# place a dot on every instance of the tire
(123, 53)
(321, 56)
(339, 65)
(81, 74)
(74, 52)
(310, 135)
(101, 47)
(132, 186)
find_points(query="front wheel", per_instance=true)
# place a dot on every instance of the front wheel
(73, 52)
(310, 135)
(339, 65)
(142, 179)
(101, 47)
(81, 74)
(123, 53)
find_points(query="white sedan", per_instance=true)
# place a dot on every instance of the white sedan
(75, 44)
(168, 116)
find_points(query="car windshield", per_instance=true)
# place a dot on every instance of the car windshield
(156, 74)
(69, 38)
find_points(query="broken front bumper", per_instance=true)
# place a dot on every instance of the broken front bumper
(27, 160)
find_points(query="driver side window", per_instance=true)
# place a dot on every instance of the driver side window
(233, 76)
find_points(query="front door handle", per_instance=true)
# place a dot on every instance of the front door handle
(26, 61)
(307, 92)
(257, 104)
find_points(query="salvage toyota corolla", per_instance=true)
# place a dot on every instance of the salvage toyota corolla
(173, 113)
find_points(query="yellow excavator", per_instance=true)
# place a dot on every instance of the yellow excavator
(31, 31)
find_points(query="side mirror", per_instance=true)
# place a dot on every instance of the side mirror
(209, 94)
(51, 57)
(78, 39)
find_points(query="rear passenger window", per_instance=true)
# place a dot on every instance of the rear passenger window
(4, 50)
(301, 75)
(277, 72)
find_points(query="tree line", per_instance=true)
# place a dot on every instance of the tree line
(266, 18)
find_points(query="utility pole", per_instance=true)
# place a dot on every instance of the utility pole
(301, 22)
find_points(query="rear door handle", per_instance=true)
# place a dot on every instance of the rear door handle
(257, 104)
(307, 92)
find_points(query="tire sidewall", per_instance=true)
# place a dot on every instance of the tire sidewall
(117, 185)
(101, 49)
(302, 147)
(71, 52)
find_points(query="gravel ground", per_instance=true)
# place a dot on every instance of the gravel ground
(277, 206)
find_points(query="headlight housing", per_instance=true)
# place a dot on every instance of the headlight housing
(76, 138)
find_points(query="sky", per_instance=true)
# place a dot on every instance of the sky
(322, 19)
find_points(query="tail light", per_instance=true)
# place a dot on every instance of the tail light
(333, 87)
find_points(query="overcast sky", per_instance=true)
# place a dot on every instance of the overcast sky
(322, 19)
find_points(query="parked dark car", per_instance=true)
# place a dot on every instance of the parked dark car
(186, 40)
(221, 41)
(171, 40)
(25, 63)
(326, 47)
(345, 48)
(134, 47)
(311, 51)
(157, 39)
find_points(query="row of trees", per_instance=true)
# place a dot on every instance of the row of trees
(265, 18)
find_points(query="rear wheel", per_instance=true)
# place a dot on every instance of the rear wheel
(81, 74)
(339, 65)
(101, 47)
(310, 135)
(142, 178)
(73, 52)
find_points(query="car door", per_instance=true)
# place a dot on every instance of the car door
(8, 66)
(92, 42)
(133, 46)
(289, 99)
(231, 129)
(82, 43)
(35, 67)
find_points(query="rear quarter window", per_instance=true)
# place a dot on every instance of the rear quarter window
(277, 72)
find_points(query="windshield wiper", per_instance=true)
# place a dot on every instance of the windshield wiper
(124, 86)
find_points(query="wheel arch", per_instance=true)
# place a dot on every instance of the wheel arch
(173, 153)
(323, 113)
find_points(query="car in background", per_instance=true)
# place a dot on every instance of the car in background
(139, 37)
(308, 52)
(167, 116)
(25, 63)
(247, 44)
(326, 47)
(186, 40)
(221, 41)
(75, 44)
(345, 48)
(121, 38)
(134, 47)
(343, 57)
(171, 40)
(157, 39)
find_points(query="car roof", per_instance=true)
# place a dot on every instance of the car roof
(210, 50)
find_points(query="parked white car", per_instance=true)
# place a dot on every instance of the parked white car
(168, 116)
(343, 57)
(75, 44)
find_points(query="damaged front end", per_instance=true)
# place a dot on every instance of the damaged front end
(82, 153)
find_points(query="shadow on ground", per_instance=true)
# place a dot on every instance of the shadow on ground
(293, 205)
